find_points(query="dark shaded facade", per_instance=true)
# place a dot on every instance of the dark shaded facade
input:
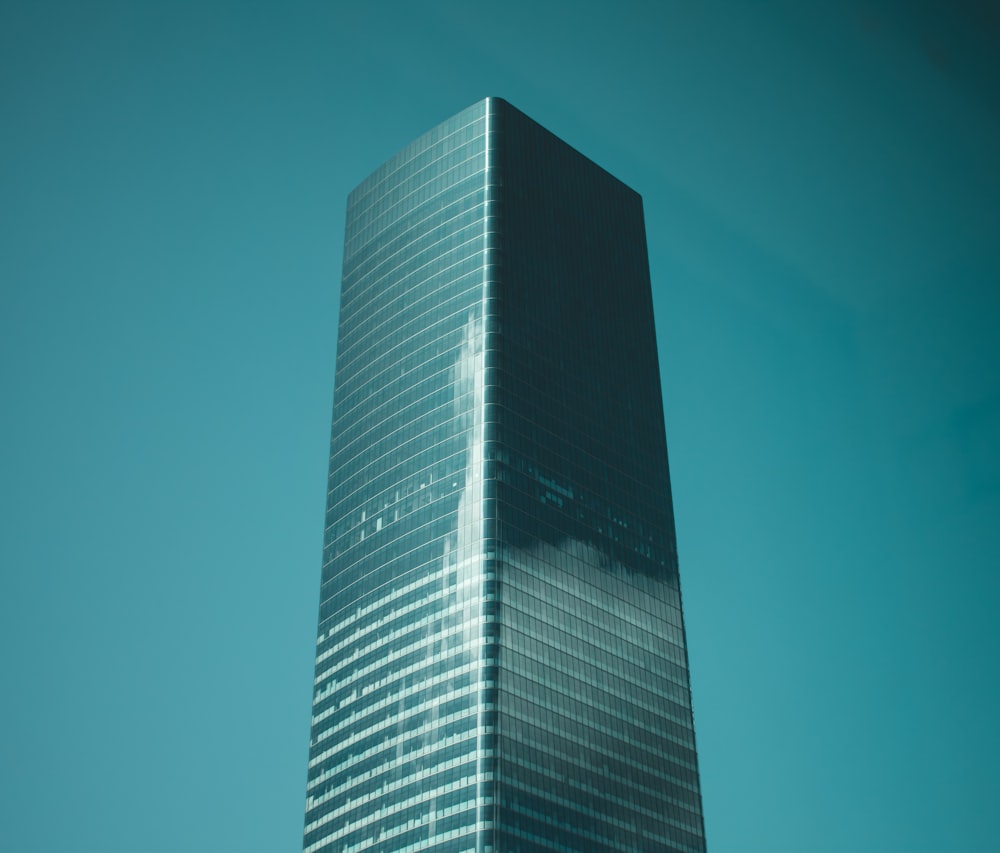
(501, 662)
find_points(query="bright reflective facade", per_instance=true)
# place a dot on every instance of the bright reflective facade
(501, 661)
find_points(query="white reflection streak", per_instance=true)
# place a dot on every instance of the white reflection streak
(469, 370)
(463, 550)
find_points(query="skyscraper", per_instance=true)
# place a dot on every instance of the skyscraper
(501, 662)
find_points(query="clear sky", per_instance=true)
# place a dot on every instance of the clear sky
(822, 193)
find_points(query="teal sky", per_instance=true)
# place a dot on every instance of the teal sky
(822, 193)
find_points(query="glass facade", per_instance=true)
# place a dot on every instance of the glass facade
(500, 661)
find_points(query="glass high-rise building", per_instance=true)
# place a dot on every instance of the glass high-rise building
(501, 660)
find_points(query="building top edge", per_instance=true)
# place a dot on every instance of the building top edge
(478, 109)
